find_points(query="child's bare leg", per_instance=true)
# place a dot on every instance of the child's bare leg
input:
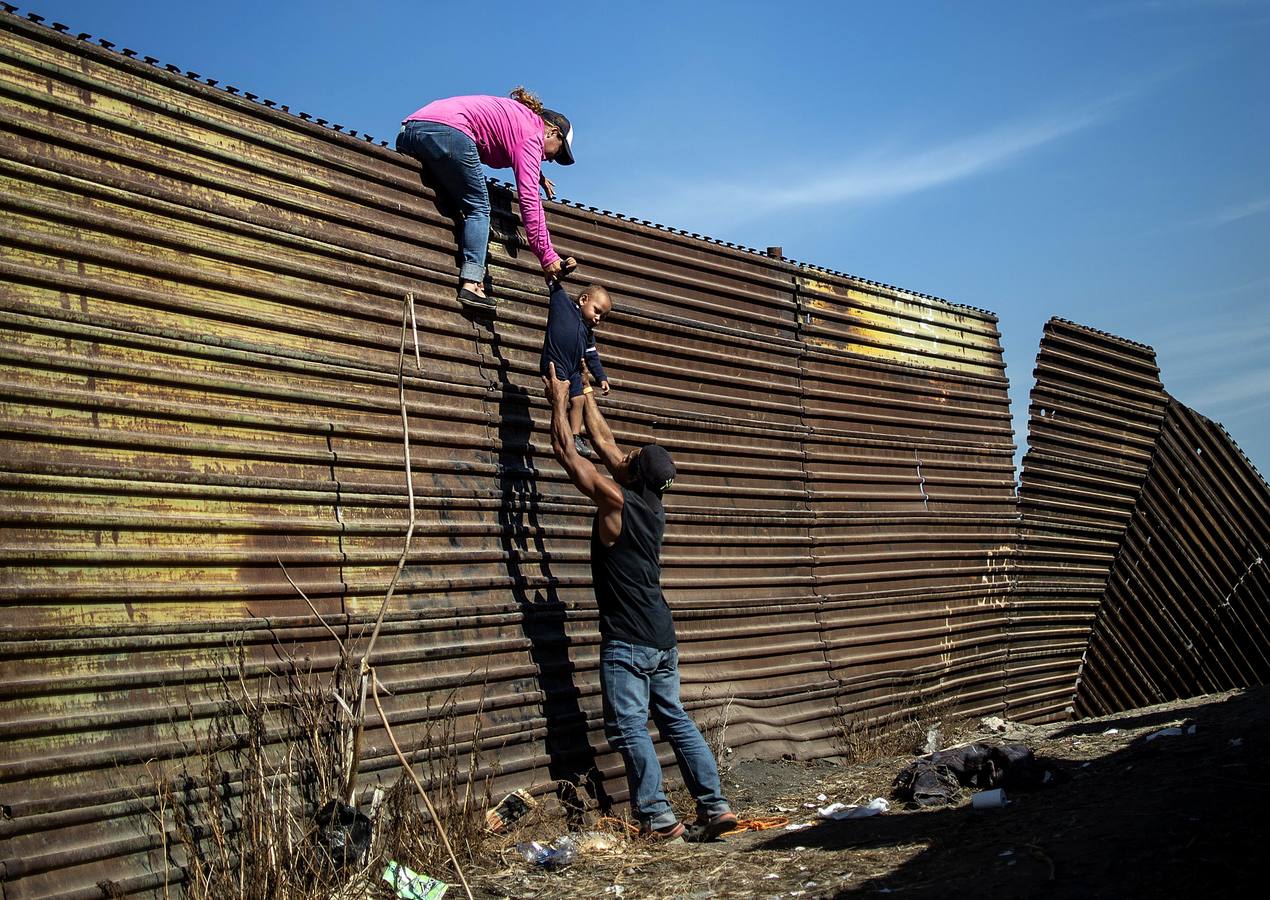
(575, 413)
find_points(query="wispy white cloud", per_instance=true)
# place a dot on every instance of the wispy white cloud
(879, 173)
(1214, 358)
(1230, 392)
(1234, 213)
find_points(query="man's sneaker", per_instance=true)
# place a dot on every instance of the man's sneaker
(583, 448)
(473, 300)
(708, 828)
(672, 832)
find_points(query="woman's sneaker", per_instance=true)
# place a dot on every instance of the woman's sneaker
(473, 300)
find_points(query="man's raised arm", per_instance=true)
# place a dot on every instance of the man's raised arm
(602, 438)
(603, 491)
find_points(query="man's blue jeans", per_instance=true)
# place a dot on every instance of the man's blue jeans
(636, 682)
(452, 158)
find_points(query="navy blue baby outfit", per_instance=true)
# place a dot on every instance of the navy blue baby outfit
(569, 339)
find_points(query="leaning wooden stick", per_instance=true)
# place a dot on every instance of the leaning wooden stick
(359, 726)
(427, 801)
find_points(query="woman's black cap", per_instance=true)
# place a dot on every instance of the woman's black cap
(551, 117)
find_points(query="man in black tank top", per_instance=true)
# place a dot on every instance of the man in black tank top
(639, 660)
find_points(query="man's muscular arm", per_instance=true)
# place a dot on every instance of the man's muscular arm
(606, 495)
(602, 438)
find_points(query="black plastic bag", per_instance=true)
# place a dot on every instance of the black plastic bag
(343, 834)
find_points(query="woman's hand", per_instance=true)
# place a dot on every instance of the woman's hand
(604, 387)
(560, 268)
(547, 185)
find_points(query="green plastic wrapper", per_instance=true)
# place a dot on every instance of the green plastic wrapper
(410, 885)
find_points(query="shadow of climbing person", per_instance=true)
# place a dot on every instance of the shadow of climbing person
(572, 759)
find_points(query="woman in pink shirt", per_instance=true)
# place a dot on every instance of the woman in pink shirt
(453, 137)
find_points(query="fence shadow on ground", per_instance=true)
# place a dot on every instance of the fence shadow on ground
(1174, 817)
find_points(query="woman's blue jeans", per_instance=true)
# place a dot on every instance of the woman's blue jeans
(452, 158)
(636, 682)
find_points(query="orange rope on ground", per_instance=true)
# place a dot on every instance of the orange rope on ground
(756, 824)
(759, 824)
(620, 825)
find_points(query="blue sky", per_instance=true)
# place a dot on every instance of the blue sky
(1105, 162)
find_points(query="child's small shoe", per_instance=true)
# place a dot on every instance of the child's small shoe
(473, 300)
(583, 448)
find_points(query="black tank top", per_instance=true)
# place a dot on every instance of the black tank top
(627, 577)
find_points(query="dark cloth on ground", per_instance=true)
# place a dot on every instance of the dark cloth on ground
(936, 778)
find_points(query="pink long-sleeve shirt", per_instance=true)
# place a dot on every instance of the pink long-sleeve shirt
(507, 134)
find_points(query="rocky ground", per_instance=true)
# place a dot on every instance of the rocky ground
(1169, 816)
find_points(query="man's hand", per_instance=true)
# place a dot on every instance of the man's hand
(604, 387)
(547, 185)
(557, 390)
(604, 492)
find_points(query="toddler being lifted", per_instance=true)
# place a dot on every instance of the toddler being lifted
(570, 339)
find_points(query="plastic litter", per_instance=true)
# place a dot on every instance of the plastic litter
(838, 811)
(512, 807)
(1112, 731)
(594, 841)
(411, 885)
(558, 855)
(993, 799)
(1165, 732)
(798, 826)
(933, 740)
(991, 723)
(343, 833)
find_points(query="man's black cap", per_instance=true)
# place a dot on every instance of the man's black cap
(654, 468)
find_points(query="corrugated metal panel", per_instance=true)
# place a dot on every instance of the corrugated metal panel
(1094, 417)
(910, 471)
(201, 307)
(1187, 609)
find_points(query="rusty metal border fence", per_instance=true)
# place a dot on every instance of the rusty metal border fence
(201, 303)
(1187, 608)
(201, 313)
(1143, 537)
(1094, 417)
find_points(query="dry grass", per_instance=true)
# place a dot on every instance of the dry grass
(904, 730)
(236, 814)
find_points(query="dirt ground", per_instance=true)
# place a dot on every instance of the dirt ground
(1173, 816)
